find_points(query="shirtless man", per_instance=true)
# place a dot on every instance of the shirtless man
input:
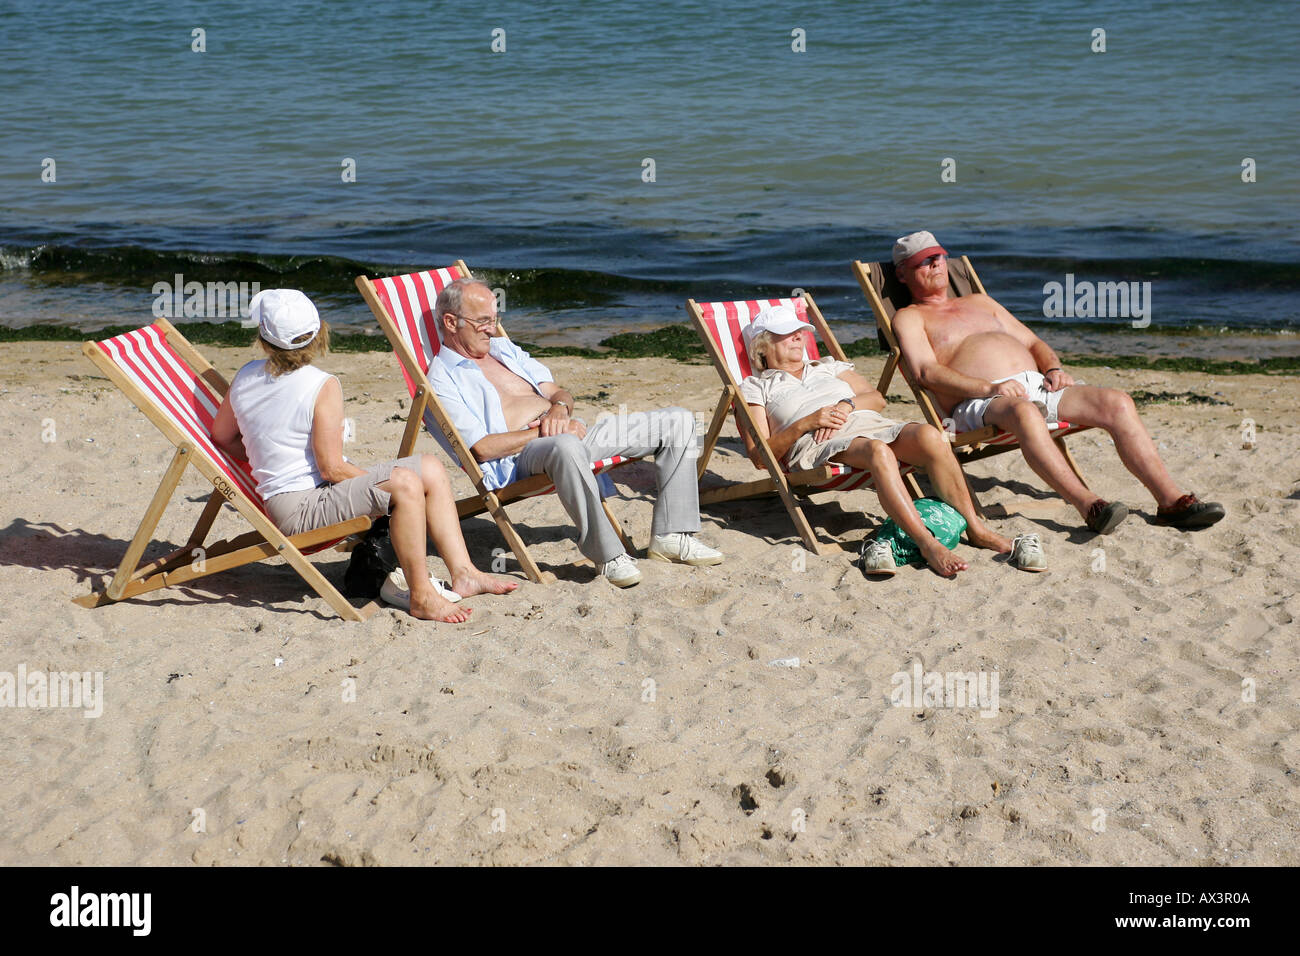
(517, 422)
(986, 368)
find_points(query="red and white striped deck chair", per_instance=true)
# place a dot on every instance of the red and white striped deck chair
(887, 294)
(176, 388)
(404, 307)
(721, 325)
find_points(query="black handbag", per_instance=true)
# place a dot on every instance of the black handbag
(372, 560)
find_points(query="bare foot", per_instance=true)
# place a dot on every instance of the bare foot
(434, 607)
(982, 536)
(941, 560)
(476, 582)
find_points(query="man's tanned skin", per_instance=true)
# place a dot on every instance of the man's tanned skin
(957, 347)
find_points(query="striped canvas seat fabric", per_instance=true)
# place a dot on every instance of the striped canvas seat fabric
(409, 299)
(178, 393)
(726, 322)
(1060, 428)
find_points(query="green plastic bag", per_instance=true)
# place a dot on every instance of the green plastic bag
(943, 520)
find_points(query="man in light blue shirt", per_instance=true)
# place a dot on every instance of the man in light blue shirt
(518, 422)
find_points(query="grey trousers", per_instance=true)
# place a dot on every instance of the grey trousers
(668, 434)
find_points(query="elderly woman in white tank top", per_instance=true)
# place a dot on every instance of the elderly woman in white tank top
(284, 417)
(812, 413)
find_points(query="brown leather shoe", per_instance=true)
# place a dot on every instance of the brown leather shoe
(1190, 512)
(1104, 516)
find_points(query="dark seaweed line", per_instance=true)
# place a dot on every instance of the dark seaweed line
(676, 342)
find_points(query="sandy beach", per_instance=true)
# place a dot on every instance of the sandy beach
(1146, 708)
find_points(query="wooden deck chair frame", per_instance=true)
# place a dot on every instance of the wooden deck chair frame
(189, 563)
(424, 399)
(971, 445)
(789, 485)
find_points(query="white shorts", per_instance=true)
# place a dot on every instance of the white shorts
(969, 415)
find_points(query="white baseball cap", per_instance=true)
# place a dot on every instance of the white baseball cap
(777, 319)
(283, 315)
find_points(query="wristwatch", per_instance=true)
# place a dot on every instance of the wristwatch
(850, 403)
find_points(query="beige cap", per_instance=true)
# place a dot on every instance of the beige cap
(911, 249)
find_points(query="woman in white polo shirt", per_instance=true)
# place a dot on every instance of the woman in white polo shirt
(812, 413)
(284, 417)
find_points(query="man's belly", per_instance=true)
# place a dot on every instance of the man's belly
(989, 356)
(520, 410)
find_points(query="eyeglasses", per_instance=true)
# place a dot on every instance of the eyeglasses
(485, 324)
(931, 261)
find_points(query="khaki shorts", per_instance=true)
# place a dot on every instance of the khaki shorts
(864, 423)
(294, 512)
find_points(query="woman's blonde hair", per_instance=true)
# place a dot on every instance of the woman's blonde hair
(758, 345)
(282, 361)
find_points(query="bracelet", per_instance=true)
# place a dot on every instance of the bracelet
(567, 407)
(1051, 370)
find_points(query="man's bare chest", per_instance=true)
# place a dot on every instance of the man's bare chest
(506, 382)
(949, 328)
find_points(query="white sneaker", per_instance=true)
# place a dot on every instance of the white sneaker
(878, 558)
(683, 549)
(395, 592)
(622, 572)
(1027, 553)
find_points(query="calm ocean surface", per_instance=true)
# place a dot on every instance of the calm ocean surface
(772, 168)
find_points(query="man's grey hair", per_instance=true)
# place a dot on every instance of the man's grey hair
(452, 297)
